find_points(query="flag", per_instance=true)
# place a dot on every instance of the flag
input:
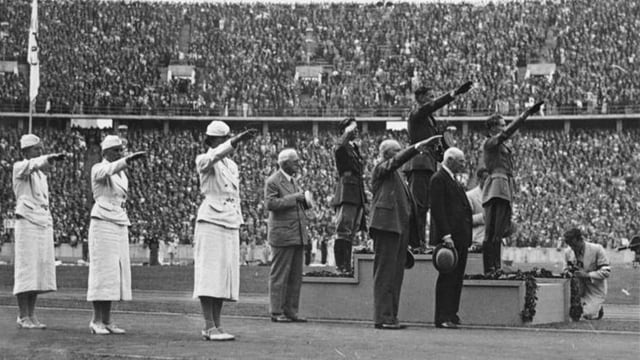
(32, 55)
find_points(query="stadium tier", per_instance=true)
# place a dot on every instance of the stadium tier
(587, 178)
(327, 59)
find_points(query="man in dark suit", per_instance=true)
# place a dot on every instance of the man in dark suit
(451, 224)
(393, 227)
(422, 125)
(287, 235)
(497, 193)
(349, 199)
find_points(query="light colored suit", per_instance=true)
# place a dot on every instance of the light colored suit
(475, 200)
(595, 263)
(34, 254)
(217, 239)
(109, 266)
(287, 233)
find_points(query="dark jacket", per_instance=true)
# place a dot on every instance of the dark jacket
(350, 185)
(450, 211)
(392, 201)
(422, 125)
(287, 223)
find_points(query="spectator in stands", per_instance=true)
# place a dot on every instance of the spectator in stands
(34, 263)
(588, 263)
(217, 235)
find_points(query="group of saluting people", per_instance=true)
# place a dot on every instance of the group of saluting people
(397, 219)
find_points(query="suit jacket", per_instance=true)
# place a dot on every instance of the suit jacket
(32, 190)
(450, 211)
(392, 201)
(220, 185)
(350, 185)
(110, 187)
(422, 125)
(287, 223)
(497, 158)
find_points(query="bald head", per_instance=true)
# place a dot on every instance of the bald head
(454, 159)
(288, 161)
(388, 148)
(287, 154)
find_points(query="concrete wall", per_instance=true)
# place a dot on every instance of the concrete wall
(139, 254)
(484, 302)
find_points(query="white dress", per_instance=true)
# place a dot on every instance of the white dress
(217, 238)
(109, 263)
(34, 263)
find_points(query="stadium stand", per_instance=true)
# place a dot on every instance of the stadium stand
(113, 57)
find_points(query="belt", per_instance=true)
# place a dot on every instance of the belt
(113, 202)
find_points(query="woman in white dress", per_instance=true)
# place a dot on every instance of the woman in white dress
(217, 236)
(109, 268)
(35, 270)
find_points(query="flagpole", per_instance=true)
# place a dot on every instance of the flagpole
(32, 59)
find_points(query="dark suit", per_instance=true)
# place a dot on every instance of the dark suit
(450, 214)
(349, 201)
(497, 196)
(393, 227)
(287, 235)
(422, 125)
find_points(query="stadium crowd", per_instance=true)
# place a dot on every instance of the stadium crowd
(584, 178)
(108, 56)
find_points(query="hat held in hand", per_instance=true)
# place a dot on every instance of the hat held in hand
(445, 259)
(308, 199)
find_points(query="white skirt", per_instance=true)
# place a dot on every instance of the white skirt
(216, 262)
(35, 268)
(109, 264)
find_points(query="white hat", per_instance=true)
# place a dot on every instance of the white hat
(218, 128)
(110, 141)
(28, 140)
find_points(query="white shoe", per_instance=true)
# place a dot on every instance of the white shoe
(114, 329)
(37, 324)
(217, 334)
(98, 329)
(25, 323)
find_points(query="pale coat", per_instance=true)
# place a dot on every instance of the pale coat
(220, 185)
(34, 262)
(596, 264)
(475, 200)
(109, 266)
(217, 238)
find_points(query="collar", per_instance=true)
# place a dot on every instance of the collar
(287, 176)
(449, 171)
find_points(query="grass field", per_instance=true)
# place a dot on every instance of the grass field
(624, 284)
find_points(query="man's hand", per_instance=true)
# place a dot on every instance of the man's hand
(448, 241)
(135, 156)
(535, 108)
(243, 136)
(299, 196)
(57, 157)
(464, 88)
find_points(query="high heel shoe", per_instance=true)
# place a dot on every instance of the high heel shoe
(37, 324)
(24, 323)
(217, 334)
(98, 329)
(114, 329)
